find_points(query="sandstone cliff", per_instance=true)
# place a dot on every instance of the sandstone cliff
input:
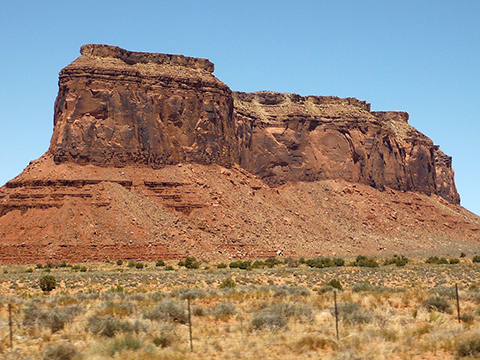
(116, 107)
(153, 157)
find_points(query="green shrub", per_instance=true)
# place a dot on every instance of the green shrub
(29, 270)
(50, 265)
(48, 283)
(476, 259)
(181, 263)
(63, 264)
(397, 260)
(438, 303)
(83, 269)
(272, 262)
(239, 264)
(192, 263)
(363, 261)
(139, 265)
(324, 262)
(335, 284)
(258, 264)
(119, 262)
(40, 266)
(221, 266)
(160, 263)
(169, 268)
(436, 260)
(454, 261)
(131, 264)
(227, 283)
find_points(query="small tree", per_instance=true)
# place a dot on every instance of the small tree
(48, 283)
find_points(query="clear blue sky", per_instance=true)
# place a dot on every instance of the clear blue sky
(418, 56)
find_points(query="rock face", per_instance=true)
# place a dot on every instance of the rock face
(153, 157)
(287, 137)
(117, 107)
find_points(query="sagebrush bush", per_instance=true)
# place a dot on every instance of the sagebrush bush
(120, 344)
(352, 313)
(168, 311)
(53, 319)
(469, 347)
(362, 286)
(438, 303)
(224, 310)
(277, 315)
(62, 352)
(109, 326)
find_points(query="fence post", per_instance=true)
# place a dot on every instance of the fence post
(190, 324)
(10, 324)
(336, 312)
(458, 302)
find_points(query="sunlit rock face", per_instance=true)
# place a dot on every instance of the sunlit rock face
(116, 107)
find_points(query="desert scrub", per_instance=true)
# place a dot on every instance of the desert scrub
(62, 352)
(469, 347)
(168, 310)
(438, 303)
(363, 261)
(119, 344)
(116, 309)
(277, 315)
(324, 262)
(228, 283)
(48, 283)
(362, 286)
(396, 260)
(436, 260)
(54, 319)
(224, 311)
(352, 313)
(109, 326)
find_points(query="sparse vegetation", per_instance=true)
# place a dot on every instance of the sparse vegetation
(122, 312)
(48, 283)
(364, 261)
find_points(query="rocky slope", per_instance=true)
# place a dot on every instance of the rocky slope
(153, 157)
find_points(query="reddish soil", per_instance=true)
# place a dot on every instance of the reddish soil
(87, 213)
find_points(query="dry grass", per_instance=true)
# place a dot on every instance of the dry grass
(115, 312)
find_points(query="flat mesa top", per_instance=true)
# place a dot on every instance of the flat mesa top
(133, 57)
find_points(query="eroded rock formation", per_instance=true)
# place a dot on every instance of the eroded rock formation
(153, 157)
(117, 107)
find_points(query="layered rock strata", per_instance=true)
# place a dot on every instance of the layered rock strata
(116, 107)
(153, 157)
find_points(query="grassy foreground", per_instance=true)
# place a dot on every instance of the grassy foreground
(105, 311)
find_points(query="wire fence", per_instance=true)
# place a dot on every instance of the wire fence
(110, 319)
